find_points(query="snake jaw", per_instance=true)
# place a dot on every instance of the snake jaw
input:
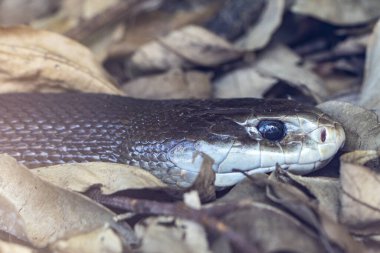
(309, 151)
(309, 147)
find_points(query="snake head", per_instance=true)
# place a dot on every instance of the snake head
(298, 138)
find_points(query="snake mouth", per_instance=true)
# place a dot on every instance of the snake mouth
(231, 178)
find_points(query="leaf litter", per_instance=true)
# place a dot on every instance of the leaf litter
(187, 49)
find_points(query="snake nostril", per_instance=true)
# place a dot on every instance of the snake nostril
(323, 135)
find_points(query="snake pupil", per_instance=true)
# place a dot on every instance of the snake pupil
(272, 130)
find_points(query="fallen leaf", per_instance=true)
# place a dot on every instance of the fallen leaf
(370, 95)
(101, 240)
(331, 235)
(362, 126)
(339, 12)
(359, 205)
(186, 47)
(23, 11)
(235, 17)
(282, 63)
(204, 182)
(45, 212)
(167, 234)
(271, 230)
(9, 247)
(35, 60)
(284, 209)
(259, 35)
(148, 26)
(192, 200)
(175, 84)
(243, 82)
(325, 191)
(111, 177)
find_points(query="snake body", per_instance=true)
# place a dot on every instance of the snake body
(164, 137)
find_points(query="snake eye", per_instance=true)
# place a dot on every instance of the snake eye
(272, 130)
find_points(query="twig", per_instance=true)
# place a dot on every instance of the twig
(179, 210)
(114, 14)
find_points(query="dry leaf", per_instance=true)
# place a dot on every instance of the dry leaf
(13, 12)
(370, 96)
(340, 12)
(324, 190)
(234, 18)
(153, 24)
(204, 181)
(192, 200)
(271, 230)
(359, 201)
(186, 47)
(331, 235)
(285, 211)
(46, 212)
(102, 240)
(175, 84)
(167, 234)
(362, 126)
(253, 188)
(34, 60)
(8, 247)
(259, 35)
(243, 82)
(111, 177)
(282, 63)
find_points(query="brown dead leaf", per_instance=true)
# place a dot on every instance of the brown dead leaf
(186, 47)
(8, 247)
(340, 12)
(259, 35)
(101, 240)
(243, 82)
(324, 190)
(271, 230)
(192, 200)
(148, 26)
(13, 12)
(73, 13)
(331, 235)
(204, 182)
(111, 177)
(45, 212)
(35, 60)
(282, 63)
(359, 202)
(362, 126)
(175, 84)
(289, 210)
(370, 95)
(167, 234)
(253, 188)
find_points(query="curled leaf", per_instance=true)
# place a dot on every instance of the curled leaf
(167, 234)
(35, 60)
(186, 47)
(174, 84)
(340, 12)
(110, 176)
(362, 126)
(100, 240)
(46, 212)
(359, 204)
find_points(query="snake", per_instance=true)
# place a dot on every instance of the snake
(165, 137)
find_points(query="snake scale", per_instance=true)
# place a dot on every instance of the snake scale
(164, 137)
